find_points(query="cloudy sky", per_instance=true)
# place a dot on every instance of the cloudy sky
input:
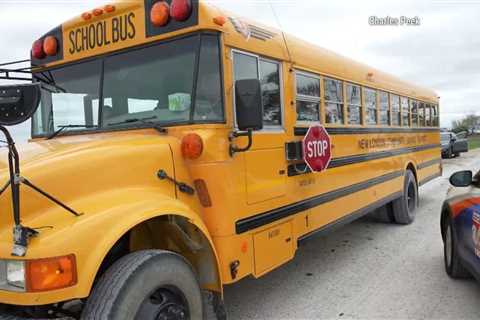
(443, 53)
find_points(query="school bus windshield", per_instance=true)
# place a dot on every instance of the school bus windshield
(170, 83)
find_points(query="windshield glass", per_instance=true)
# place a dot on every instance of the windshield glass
(166, 83)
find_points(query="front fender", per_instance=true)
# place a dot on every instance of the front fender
(90, 237)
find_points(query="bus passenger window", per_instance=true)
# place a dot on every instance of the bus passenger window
(436, 119)
(405, 111)
(384, 110)
(354, 103)
(334, 101)
(421, 114)
(371, 105)
(428, 121)
(414, 113)
(395, 105)
(308, 98)
(271, 97)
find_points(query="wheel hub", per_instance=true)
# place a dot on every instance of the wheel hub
(163, 304)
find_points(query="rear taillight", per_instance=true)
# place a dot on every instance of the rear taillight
(160, 14)
(180, 10)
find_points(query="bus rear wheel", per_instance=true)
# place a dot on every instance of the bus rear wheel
(404, 208)
(151, 284)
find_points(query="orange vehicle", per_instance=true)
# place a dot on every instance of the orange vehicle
(166, 159)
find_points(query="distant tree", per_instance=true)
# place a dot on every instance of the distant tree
(469, 124)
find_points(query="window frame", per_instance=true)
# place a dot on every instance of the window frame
(268, 128)
(304, 98)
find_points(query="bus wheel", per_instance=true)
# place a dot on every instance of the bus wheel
(151, 284)
(405, 207)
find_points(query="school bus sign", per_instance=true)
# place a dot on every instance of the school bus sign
(317, 149)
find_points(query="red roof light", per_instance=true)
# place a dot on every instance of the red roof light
(37, 50)
(180, 10)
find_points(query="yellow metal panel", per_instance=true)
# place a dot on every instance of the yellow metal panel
(265, 172)
(273, 247)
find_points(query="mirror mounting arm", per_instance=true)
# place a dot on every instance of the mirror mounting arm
(234, 149)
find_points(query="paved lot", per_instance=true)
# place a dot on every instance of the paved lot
(367, 270)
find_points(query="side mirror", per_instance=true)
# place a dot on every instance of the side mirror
(18, 103)
(461, 179)
(248, 103)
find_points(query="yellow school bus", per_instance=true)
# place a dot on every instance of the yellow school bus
(174, 130)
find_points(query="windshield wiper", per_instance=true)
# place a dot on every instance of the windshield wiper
(68, 126)
(142, 120)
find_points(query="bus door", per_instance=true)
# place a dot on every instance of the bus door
(265, 165)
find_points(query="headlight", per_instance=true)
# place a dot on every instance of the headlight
(16, 274)
(12, 275)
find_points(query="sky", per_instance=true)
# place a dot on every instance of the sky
(441, 53)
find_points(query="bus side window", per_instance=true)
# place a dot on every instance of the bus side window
(308, 97)
(395, 105)
(354, 103)
(436, 118)
(428, 120)
(247, 66)
(421, 114)
(405, 112)
(414, 105)
(271, 93)
(334, 101)
(371, 106)
(384, 110)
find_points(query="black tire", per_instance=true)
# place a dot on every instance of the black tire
(405, 207)
(453, 264)
(450, 153)
(457, 155)
(146, 284)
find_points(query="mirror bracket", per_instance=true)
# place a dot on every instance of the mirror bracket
(234, 149)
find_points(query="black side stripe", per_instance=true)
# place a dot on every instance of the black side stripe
(427, 164)
(302, 168)
(301, 131)
(268, 217)
(351, 217)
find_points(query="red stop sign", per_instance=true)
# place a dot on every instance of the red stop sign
(317, 149)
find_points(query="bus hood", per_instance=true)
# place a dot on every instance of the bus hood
(78, 169)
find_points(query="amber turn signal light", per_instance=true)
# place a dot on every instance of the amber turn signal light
(160, 14)
(97, 12)
(202, 192)
(51, 273)
(86, 16)
(50, 45)
(220, 21)
(192, 146)
(109, 8)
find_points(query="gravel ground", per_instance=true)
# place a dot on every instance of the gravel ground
(367, 270)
